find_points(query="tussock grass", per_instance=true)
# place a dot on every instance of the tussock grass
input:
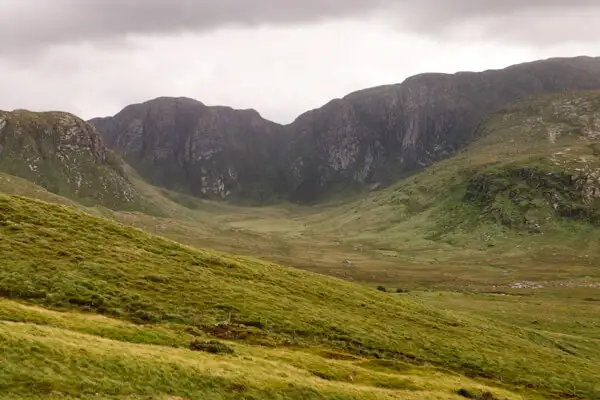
(59, 258)
(43, 360)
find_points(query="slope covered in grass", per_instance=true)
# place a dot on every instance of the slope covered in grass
(59, 258)
(48, 354)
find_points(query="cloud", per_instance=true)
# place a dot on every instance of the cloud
(281, 57)
(532, 22)
(281, 71)
(29, 25)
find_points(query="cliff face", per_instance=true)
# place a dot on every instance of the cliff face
(368, 138)
(378, 135)
(183, 145)
(63, 154)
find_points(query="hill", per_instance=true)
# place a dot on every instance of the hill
(365, 140)
(65, 155)
(534, 167)
(62, 259)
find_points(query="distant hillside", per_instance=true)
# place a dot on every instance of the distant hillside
(65, 155)
(181, 297)
(367, 139)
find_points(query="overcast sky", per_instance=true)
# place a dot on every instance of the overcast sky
(280, 57)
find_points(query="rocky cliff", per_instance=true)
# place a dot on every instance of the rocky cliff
(65, 155)
(367, 139)
(376, 136)
(183, 145)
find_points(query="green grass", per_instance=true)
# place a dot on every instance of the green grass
(62, 259)
(61, 355)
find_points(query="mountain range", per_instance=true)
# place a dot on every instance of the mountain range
(367, 139)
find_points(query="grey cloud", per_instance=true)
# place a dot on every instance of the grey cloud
(31, 23)
(26, 25)
(538, 22)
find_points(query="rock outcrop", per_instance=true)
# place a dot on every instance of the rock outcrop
(379, 135)
(367, 139)
(65, 155)
(183, 145)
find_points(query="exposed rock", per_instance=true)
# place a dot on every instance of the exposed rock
(373, 136)
(181, 144)
(65, 155)
(384, 133)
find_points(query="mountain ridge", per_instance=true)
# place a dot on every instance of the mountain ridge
(366, 139)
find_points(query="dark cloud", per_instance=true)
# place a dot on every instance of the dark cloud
(104, 54)
(29, 24)
(537, 22)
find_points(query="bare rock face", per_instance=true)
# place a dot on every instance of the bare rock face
(367, 139)
(183, 145)
(65, 155)
(378, 135)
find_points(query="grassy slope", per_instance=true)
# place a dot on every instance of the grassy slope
(48, 354)
(391, 237)
(62, 259)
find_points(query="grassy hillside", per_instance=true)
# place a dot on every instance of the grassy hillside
(56, 355)
(536, 163)
(62, 259)
(93, 309)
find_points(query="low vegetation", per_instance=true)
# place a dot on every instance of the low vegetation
(62, 259)
(66, 355)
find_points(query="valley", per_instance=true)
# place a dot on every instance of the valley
(178, 251)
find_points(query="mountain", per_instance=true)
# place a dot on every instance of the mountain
(183, 145)
(368, 139)
(142, 316)
(65, 155)
(378, 135)
(529, 182)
